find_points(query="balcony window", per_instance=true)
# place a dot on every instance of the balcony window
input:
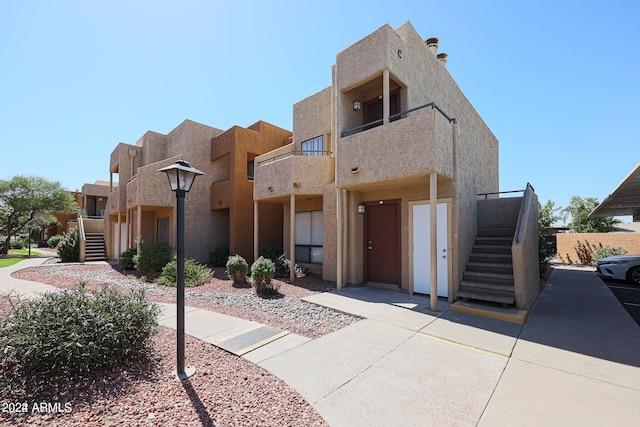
(309, 231)
(313, 147)
(250, 169)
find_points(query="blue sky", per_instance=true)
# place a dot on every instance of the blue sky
(556, 81)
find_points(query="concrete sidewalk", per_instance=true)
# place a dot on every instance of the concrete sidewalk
(576, 360)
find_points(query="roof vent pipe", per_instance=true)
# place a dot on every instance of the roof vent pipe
(432, 43)
(443, 58)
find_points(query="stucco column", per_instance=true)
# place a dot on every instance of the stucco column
(126, 224)
(292, 238)
(118, 238)
(339, 239)
(433, 244)
(255, 230)
(139, 225)
(386, 110)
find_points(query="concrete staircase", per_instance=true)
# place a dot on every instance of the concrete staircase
(489, 272)
(94, 249)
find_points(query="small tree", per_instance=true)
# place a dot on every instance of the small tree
(30, 201)
(579, 209)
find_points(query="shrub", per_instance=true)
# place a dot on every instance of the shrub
(127, 259)
(262, 271)
(545, 252)
(219, 256)
(152, 257)
(195, 274)
(53, 241)
(272, 252)
(607, 251)
(69, 247)
(282, 267)
(237, 269)
(70, 334)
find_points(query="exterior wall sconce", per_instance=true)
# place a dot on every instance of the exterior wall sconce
(356, 105)
(297, 185)
(361, 208)
(355, 169)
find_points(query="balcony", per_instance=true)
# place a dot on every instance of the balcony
(413, 145)
(287, 171)
(221, 194)
(115, 201)
(149, 187)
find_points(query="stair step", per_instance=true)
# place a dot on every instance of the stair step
(491, 265)
(498, 258)
(503, 299)
(483, 276)
(501, 287)
(503, 249)
(497, 231)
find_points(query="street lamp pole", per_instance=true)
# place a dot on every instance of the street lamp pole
(180, 278)
(181, 176)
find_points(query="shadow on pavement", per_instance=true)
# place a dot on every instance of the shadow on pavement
(577, 312)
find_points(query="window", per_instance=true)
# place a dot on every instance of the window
(250, 166)
(163, 230)
(308, 240)
(313, 147)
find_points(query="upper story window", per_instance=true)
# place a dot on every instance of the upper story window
(250, 169)
(313, 147)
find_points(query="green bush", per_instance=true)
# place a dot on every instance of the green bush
(195, 274)
(605, 252)
(127, 259)
(262, 271)
(70, 334)
(282, 267)
(19, 242)
(237, 269)
(53, 241)
(545, 253)
(69, 247)
(272, 252)
(219, 256)
(152, 257)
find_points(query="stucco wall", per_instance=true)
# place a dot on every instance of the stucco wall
(312, 117)
(568, 243)
(526, 268)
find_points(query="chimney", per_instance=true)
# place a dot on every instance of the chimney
(443, 58)
(432, 43)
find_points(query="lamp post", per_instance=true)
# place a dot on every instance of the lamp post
(181, 177)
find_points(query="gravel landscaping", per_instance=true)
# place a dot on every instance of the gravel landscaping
(226, 391)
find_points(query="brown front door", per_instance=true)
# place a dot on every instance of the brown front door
(382, 241)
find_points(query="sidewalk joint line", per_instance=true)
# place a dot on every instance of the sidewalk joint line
(467, 347)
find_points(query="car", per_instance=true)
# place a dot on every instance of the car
(620, 267)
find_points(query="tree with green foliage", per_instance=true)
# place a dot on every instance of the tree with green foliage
(30, 201)
(579, 209)
(547, 215)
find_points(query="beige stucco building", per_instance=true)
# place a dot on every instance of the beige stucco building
(218, 209)
(390, 154)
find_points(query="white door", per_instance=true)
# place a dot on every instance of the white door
(116, 241)
(422, 249)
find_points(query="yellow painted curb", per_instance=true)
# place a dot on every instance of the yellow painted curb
(237, 334)
(520, 317)
(466, 347)
(261, 343)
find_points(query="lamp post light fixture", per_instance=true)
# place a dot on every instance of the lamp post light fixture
(181, 177)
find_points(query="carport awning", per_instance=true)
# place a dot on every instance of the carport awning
(625, 199)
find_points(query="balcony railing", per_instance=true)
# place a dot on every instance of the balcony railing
(295, 153)
(398, 116)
